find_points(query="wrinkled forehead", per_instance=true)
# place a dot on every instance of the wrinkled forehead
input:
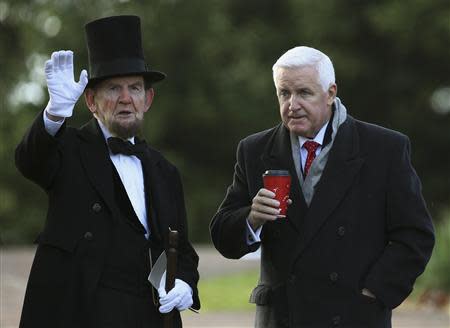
(287, 76)
(123, 80)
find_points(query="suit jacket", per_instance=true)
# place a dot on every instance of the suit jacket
(366, 227)
(76, 172)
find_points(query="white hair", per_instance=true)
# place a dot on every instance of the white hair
(306, 56)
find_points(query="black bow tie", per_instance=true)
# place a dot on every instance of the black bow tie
(120, 146)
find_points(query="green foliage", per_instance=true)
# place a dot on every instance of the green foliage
(228, 293)
(390, 58)
(437, 274)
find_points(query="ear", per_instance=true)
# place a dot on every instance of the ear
(332, 91)
(149, 95)
(89, 97)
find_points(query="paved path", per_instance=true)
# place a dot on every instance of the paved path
(15, 266)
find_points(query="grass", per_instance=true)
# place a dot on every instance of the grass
(436, 277)
(228, 293)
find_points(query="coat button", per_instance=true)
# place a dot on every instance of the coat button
(88, 235)
(292, 279)
(334, 276)
(341, 231)
(96, 207)
(277, 233)
(336, 320)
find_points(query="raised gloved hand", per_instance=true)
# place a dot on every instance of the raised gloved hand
(62, 88)
(180, 296)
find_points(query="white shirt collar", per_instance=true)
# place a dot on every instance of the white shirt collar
(318, 138)
(108, 134)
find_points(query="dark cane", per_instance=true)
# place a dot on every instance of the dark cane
(171, 272)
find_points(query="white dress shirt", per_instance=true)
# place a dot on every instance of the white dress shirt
(129, 169)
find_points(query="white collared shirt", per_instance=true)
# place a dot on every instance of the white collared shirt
(129, 169)
(132, 176)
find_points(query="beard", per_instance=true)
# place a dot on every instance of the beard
(125, 131)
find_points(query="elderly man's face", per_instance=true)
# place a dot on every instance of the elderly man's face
(304, 106)
(120, 103)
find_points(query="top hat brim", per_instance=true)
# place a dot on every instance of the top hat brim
(149, 76)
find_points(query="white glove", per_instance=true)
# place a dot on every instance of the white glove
(180, 296)
(62, 88)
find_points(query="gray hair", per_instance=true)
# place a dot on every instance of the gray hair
(306, 56)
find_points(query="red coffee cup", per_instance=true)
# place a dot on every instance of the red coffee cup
(278, 181)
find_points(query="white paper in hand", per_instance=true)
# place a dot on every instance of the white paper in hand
(158, 270)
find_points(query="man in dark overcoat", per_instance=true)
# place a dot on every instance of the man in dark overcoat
(357, 232)
(111, 198)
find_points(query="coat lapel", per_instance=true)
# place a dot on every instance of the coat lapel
(278, 156)
(156, 192)
(343, 164)
(95, 159)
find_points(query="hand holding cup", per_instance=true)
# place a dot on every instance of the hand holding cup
(270, 203)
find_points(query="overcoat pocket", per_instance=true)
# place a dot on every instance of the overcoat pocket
(261, 295)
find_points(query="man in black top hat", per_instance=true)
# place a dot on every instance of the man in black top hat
(112, 198)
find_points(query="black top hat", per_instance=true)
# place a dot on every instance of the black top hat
(115, 49)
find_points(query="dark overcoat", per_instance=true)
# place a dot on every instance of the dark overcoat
(76, 172)
(366, 227)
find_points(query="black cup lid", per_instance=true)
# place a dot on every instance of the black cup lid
(276, 172)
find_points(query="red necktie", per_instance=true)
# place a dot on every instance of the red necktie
(311, 147)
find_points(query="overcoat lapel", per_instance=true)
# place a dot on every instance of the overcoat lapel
(343, 165)
(278, 156)
(95, 159)
(158, 181)
(155, 190)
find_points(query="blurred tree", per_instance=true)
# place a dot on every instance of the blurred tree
(391, 61)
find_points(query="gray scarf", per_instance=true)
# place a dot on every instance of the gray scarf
(308, 184)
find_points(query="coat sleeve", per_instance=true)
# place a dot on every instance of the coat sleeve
(37, 156)
(229, 225)
(410, 233)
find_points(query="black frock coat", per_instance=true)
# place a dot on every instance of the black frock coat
(366, 227)
(76, 172)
